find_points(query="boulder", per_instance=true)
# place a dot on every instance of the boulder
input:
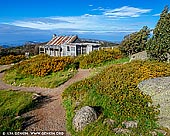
(130, 124)
(36, 96)
(139, 56)
(163, 132)
(168, 57)
(121, 131)
(77, 104)
(159, 90)
(109, 122)
(18, 117)
(153, 133)
(83, 117)
(157, 132)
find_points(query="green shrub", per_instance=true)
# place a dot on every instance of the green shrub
(96, 58)
(115, 92)
(11, 59)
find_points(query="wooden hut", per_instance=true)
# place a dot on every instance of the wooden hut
(67, 46)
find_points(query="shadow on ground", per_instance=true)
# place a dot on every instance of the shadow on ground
(38, 103)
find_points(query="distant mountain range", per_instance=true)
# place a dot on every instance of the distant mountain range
(36, 42)
(98, 41)
(4, 46)
(19, 44)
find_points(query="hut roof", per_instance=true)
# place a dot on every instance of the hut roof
(59, 40)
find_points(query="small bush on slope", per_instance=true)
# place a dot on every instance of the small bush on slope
(115, 92)
(11, 59)
(42, 65)
(41, 71)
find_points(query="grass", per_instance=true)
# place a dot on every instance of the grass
(114, 90)
(13, 104)
(107, 63)
(53, 80)
(110, 109)
(50, 81)
(98, 57)
(117, 61)
(94, 129)
(99, 68)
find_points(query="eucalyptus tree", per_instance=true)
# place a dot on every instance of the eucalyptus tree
(135, 42)
(158, 47)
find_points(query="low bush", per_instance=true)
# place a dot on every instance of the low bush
(115, 91)
(43, 65)
(96, 57)
(11, 59)
(41, 71)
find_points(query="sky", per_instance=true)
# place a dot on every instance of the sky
(110, 20)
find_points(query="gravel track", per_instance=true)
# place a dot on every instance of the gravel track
(50, 115)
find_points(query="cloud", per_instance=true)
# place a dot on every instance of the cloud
(107, 21)
(84, 22)
(38, 24)
(90, 5)
(99, 9)
(155, 15)
(125, 11)
(88, 15)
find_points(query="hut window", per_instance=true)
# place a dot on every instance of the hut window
(68, 48)
(41, 49)
(78, 50)
(72, 48)
(83, 50)
(95, 48)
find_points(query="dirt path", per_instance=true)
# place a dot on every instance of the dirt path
(50, 116)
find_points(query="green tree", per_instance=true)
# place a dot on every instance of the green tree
(135, 42)
(158, 47)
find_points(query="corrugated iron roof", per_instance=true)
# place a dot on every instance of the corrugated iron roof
(59, 40)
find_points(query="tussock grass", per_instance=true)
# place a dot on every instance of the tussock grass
(50, 81)
(13, 104)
